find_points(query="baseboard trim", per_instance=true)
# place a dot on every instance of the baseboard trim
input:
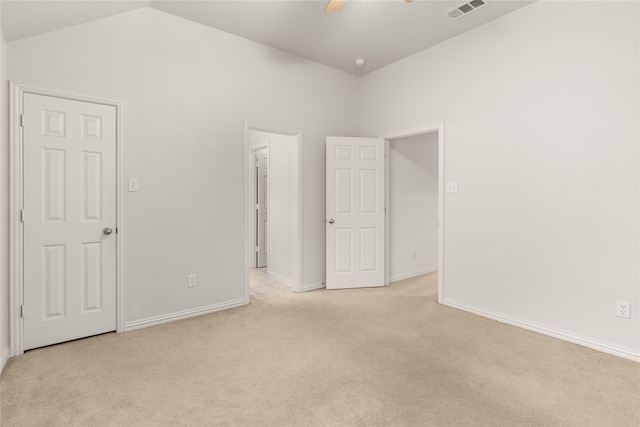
(313, 286)
(410, 275)
(171, 317)
(280, 278)
(571, 337)
(6, 354)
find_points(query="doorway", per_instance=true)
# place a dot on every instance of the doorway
(348, 197)
(415, 204)
(66, 216)
(272, 211)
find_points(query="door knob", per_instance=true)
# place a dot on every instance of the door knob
(107, 231)
(331, 221)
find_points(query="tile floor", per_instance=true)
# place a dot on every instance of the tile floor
(262, 286)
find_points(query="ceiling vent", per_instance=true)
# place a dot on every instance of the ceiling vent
(465, 8)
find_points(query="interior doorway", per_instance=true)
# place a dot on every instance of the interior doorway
(351, 240)
(273, 211)
(415, 204)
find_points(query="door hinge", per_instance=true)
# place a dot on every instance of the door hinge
(22, 120)
(22, 311)
(116, 230)
(21, 215)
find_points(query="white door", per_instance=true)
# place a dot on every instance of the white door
(262, 197)
(355, 212)
(69, 219)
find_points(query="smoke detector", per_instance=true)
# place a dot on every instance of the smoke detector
(466, 8)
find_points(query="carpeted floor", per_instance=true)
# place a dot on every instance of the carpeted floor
(387, 356)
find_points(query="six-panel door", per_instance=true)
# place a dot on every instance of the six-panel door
(355, 212)
(69, 209)
(262, 206)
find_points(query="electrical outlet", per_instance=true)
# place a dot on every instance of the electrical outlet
(452, 186)
(624, 309)
(413, 254)
(191, 280)
(133, 185)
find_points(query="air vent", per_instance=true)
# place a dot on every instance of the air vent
(466, 8)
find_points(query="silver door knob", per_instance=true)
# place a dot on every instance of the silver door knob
(107, 231)
(331, 221)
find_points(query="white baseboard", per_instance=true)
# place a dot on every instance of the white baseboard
(414, 274)
(313, 286)
(280, 278)
(165, 318)
(605, 347)
(6, 353)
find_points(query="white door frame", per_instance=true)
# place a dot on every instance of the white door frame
(16, 199)
(439, 127)
(248, 202)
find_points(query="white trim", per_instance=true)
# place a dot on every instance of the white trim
(313, 286)
(387, 217)
(602, 346)
(296, 282)
(179, 315)
(410, 275)
(441, 212)
(280, 278)
(16, 262)
(439, 127)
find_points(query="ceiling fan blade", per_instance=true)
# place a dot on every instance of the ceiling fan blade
(335, 5)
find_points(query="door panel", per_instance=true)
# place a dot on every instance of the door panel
(69, 199)
(355, 229)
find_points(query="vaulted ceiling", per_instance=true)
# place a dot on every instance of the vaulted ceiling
(380, 31)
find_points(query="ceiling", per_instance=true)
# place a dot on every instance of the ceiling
(381, 31)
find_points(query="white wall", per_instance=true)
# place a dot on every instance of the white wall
(281, 199)
(281, 208)
(4, 206)
(413, 205)
(188, 89)
(541, 132)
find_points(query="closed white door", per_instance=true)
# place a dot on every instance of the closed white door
(69, 219)
(262, 206)
(355, 204)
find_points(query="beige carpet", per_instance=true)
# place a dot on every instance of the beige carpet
(389, 356)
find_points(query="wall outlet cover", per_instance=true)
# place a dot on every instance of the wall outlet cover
(133, 184)
(623, 309)
(191, 280)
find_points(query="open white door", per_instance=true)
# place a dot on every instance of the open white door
(355, 212)
(262, 188)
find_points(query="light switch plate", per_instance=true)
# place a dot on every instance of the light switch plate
(452, 186)
(133, 184)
